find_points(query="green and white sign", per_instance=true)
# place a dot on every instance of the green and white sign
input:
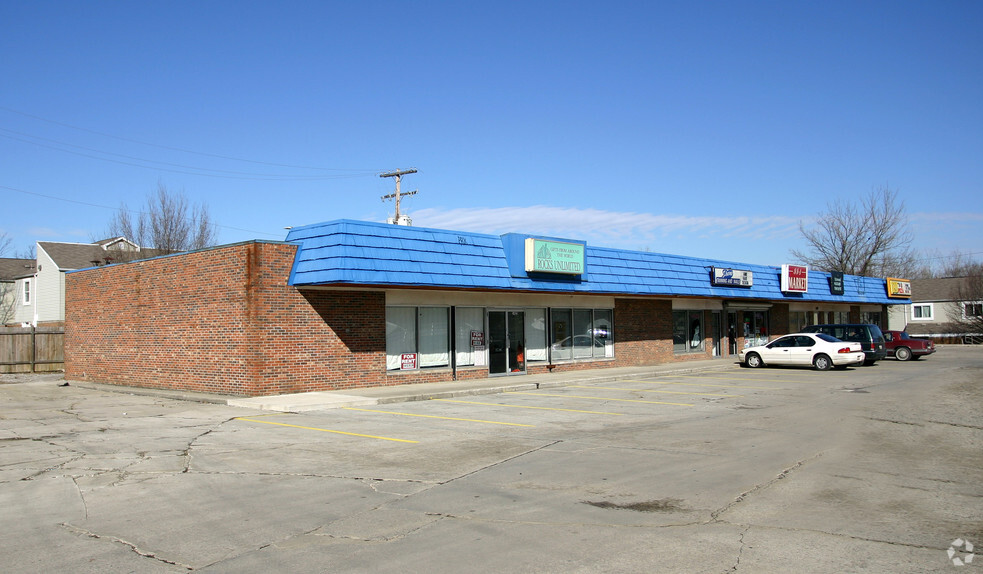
(554, 257)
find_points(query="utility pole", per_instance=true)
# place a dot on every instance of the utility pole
(398, 174)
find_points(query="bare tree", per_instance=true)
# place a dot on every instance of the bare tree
(167, 223)
(871, 239)
(6, 287)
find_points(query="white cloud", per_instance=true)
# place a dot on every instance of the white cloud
(608, 228)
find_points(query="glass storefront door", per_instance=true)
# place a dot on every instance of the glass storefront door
(755, 328)
(506, 343)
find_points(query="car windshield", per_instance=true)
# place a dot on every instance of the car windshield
(827, 338)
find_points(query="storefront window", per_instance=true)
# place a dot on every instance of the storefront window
(755, 328)
(562, 327)
(797, 320)
(583, 341)
(535, 335)
(687, 331)
(582, 334)
(400, 334)
(417, 337)
(602, 331)
(872, 317)
(466, 321)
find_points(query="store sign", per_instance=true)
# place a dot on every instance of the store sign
(407, 361)
(554, 257)
(477, 338)
(727, 277)
(836, 283)
(795, 279)
(898, 288)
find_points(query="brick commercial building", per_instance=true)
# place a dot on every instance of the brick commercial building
(349, 304)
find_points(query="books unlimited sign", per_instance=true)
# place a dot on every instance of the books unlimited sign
(554, 257)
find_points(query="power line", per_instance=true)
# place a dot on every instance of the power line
(171, 148)
(134, 211)
(200, 171)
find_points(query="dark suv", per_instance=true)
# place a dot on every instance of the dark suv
(869, 336)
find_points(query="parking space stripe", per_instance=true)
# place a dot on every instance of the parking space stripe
(755, 379)
(698, 385)
(327, 430)
(438, 417)
(600, 398)
(650, 391)
(529, 407)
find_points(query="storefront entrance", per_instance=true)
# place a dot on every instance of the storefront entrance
(506, 343)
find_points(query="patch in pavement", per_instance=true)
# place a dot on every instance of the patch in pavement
(663, 505)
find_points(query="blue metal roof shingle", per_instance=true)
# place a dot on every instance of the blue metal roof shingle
(365, 253)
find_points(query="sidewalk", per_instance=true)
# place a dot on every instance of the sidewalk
(420, 392)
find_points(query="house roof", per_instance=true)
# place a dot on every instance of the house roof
(940, 289)
(349, 252)
(70, 256)
(14, 268)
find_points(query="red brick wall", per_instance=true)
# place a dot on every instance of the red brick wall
(223, 321)
(642, 332)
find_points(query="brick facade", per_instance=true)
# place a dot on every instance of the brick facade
(225, 320)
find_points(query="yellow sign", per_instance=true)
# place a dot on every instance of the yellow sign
(898, 288)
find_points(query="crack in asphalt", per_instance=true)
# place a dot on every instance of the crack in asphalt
(740, 550)
(136, 549)
(715, 515)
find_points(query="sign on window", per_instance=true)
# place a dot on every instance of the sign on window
(407, 361)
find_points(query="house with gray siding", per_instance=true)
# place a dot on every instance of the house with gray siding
(41, 292)
(937, 307)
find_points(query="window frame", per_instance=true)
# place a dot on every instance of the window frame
(977, 308)
(420, 337)
(686, 344)
(919, 307)
(27, 293)
(595, 325)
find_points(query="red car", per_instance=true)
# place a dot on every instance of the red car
(902, 346)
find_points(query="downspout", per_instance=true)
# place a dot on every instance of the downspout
(34, 295)
(453, 343)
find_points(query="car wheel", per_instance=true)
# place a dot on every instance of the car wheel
(753, 360)
(902, 353)
(822, 362)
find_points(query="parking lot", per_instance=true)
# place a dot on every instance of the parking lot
(727, 469)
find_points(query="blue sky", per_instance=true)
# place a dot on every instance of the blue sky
(695, 128)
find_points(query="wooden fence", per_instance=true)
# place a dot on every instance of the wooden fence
(32, 349)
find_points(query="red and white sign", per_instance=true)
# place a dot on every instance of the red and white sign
(795, 278)
(477, 338)
(407, 361)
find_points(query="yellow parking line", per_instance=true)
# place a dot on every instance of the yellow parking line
(698, 385)
(437, 417)
(756, 379)
(529, 407)
(326, 430)
(601, 399)
(650, 391)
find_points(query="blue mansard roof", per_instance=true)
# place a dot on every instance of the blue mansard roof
(358, 253)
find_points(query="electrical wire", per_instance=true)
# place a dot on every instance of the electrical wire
(178, 149)
(133, 211)
(199, 171)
